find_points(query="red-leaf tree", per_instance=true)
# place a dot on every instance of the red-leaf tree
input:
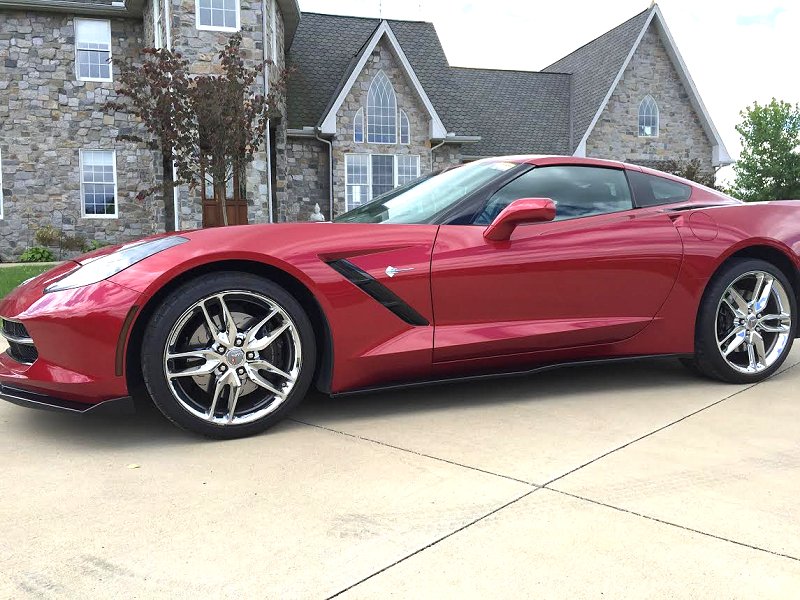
(208, 126)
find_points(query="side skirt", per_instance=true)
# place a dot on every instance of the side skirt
(502, 374)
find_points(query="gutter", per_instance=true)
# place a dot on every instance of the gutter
(127, 8)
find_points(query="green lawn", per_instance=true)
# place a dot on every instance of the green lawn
(11, 277)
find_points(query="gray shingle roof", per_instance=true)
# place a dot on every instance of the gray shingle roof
(512, 111)
(594, 66)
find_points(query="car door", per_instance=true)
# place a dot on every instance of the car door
(597, 274)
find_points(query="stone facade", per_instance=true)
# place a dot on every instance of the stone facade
(306, 179)
(47, 116)
(381, 59)
(201, 48)
(681, 136)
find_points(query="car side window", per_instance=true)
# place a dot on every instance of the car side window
(651, 190)
(578, 191)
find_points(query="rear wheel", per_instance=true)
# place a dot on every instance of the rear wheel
(228, 355)
(746, 324)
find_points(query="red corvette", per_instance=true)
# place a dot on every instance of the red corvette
(502, 265)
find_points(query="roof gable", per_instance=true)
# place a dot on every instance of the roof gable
(594, 68)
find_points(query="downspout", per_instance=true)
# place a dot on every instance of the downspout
(330, 172)
(267, 143)
(175, 191)
(439, 145)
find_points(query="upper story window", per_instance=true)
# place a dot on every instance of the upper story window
(381, 111)
(158, 24)
(93, 49)
(273, 21)
(405, 130)
(99, 183)
(648, 117)
(358, 126)
(217, 15)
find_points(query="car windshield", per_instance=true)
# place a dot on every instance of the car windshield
(418, 201)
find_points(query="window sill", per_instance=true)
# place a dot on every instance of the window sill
(99, 216)
(217, 28)
(96, 79)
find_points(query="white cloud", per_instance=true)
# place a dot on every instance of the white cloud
(737, 51)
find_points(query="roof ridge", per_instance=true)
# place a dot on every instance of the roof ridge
(498, 70)
(593, 40)
(379, 19)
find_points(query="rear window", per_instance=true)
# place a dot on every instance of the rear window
(651, 190)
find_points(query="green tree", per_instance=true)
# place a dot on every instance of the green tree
(769, 165)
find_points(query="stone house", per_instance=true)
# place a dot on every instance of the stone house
(371, 104)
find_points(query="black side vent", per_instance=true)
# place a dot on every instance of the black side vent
(378, 291)
(20, 344)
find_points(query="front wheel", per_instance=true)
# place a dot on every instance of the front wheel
(228, 355)
(747, 322)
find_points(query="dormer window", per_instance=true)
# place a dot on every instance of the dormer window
(648, 117)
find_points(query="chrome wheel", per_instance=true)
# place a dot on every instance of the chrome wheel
(232, 357)
(753, 322)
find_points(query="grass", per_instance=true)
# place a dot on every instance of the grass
(11, 277)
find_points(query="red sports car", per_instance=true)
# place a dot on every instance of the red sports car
(500, 266)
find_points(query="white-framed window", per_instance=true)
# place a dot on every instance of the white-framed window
(99, 184)
(370, 175)
(274, 28)
(93, 49)
(381, 111)
(158, 24)
(356, 177)
(648, 117)
(405, 129)
(1, 185)
(217, 15)
(358, 126)
(407, 168)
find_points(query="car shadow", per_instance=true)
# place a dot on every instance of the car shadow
(582, 383)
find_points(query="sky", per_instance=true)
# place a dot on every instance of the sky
(737, 51)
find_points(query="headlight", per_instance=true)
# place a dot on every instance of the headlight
(111, 264)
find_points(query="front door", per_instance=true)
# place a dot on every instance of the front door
(598, 274)
(235, 204)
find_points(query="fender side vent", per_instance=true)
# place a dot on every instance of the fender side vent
(374, 288)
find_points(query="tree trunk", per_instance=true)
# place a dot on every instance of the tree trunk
(168, 193)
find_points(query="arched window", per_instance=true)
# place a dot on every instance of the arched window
(405, 130)
(648, 117)
(381, 111)
(358, 126)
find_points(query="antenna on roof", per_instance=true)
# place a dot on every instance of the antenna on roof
(380, 9)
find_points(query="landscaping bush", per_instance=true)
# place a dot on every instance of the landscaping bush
(93, 245)
(37, 254)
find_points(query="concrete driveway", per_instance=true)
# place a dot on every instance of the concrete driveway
(634, 480)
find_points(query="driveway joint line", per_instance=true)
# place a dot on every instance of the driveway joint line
(436, 541)
(662, 428)
(422, 454)
(671, 524)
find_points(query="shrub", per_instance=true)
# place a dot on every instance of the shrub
(37, 254)
(73, 242)
(93, 245)
(47, 236)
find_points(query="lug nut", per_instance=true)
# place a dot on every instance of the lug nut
(251, 355)
(221, 349)
(239, 342)
(222, 368)
(240, 371)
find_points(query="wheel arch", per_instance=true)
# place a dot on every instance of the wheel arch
(769, 253)
(319, 321)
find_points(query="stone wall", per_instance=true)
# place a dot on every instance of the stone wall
(201, 48)
(681, 136)
(46, 117)
(382, 58)
(448, 155)
(306, 179)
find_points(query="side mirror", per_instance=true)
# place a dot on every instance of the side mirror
(524, 210)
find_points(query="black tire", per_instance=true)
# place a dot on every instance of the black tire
(175, 305)
(708, 359)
